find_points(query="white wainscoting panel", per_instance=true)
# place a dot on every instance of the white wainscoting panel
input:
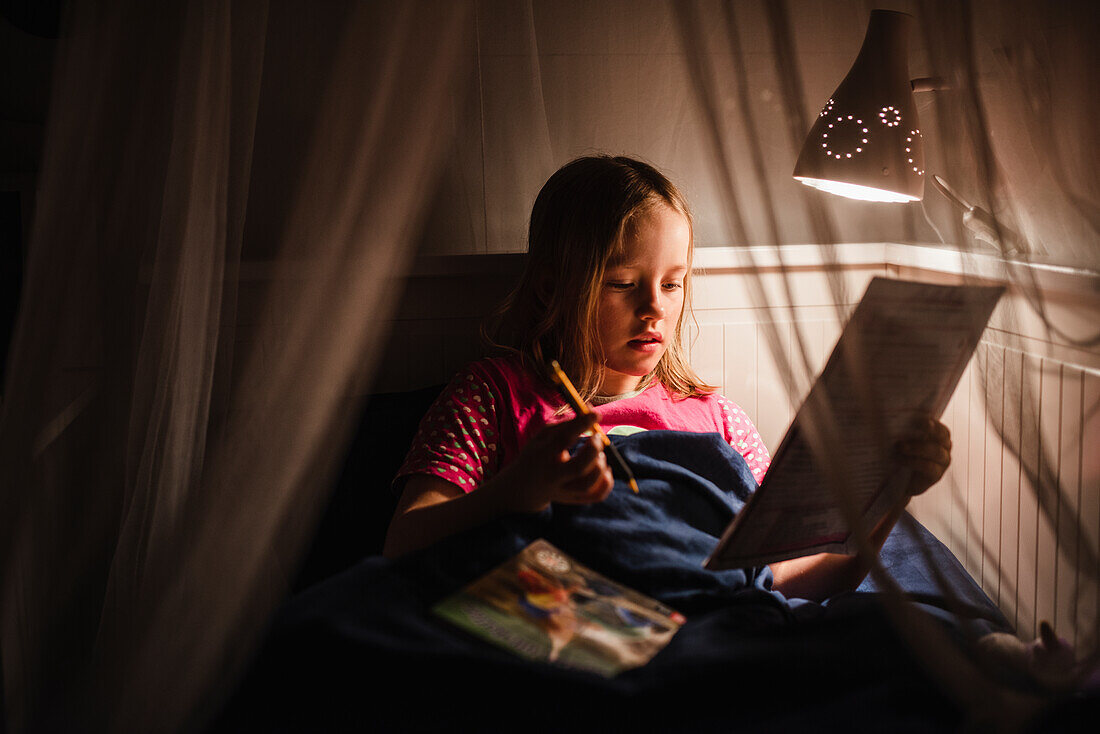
(1023, 513)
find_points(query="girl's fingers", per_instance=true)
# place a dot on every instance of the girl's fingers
(926, 451)
(926, 469)
(1046, 635)
(582, 478)
(561, 436)
(583, 460)
(593, 486)
(941, 433)
(927, 428)
(556, 439)
(921, 482)
(589, 460)
(933, 452)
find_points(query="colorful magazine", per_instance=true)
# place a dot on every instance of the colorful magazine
(543, 605)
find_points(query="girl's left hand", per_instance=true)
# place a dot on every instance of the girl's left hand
(926, 451)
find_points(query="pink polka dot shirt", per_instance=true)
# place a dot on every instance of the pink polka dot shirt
(494, 406)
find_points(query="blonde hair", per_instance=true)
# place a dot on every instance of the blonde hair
(578, 225)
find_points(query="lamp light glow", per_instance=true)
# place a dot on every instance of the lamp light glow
(866, 142)
(855, 191)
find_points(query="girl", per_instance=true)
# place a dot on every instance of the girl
(605, 291)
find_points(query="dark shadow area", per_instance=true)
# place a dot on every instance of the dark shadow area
(11, 269)
(358, 513)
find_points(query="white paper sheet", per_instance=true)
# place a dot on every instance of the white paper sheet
(900, 355)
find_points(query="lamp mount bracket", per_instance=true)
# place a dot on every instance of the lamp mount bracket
(929, 84)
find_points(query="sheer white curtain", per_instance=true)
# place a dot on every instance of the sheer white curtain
(165, 454)
(1001, 127)
(232, 192)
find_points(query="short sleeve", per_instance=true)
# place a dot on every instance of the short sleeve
(458, 437)
(744, 438)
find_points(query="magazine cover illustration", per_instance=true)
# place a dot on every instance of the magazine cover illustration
(543, 605)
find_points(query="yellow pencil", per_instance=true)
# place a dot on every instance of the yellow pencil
(582, 409)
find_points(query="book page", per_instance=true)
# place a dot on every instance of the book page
(901, 355)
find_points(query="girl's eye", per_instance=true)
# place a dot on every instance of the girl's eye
(619, 285)
(672, 286)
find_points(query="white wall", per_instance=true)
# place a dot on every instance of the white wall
(554, 79)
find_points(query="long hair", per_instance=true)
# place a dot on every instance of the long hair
(578, 224)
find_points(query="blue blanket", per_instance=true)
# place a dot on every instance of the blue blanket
(362, 649)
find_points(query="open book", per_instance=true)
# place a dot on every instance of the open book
(901, 354)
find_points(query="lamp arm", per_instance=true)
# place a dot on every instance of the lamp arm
(983, 225)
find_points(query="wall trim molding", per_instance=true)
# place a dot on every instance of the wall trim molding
(938, 258)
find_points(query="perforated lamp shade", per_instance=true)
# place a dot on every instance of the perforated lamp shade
(867, 142)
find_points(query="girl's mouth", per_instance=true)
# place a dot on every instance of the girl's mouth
(647, 345)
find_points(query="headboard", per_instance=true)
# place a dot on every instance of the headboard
(362, 502)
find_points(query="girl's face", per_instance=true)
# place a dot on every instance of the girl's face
(641, 298)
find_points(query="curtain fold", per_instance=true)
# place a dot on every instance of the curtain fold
(168, 456)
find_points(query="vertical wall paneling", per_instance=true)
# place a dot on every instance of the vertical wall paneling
(807, 342)
(1010, 484)
(1046, 548)
(975, 476)
(739, 369)
(934, 508)
(1027, 555)
(1088, 542)
(831, 331)
(708, 355)
(932, 511)
(774, 413)
(993, 358)
(1069, 469)
(959, 424)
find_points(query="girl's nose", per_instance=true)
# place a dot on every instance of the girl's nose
(651, 309)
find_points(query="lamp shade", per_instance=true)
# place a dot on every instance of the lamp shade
(866, 142)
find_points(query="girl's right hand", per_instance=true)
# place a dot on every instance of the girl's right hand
(544, 472)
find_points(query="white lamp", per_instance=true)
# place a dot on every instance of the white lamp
(867, 142)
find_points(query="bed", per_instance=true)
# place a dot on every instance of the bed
(355, 647)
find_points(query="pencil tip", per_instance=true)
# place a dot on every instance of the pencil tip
(634, 486)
